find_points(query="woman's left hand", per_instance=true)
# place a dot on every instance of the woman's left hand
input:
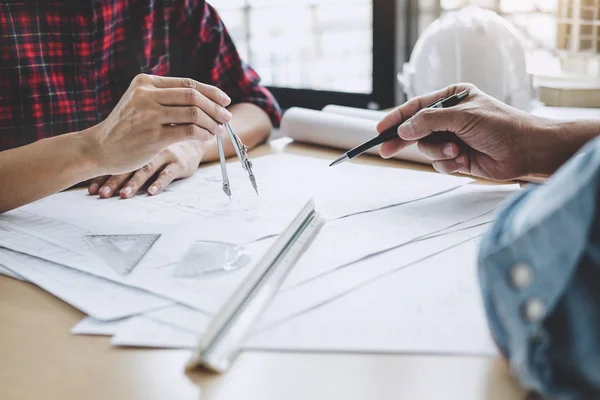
(180, 160)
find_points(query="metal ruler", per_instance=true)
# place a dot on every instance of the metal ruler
(121, 252)
(224, 337)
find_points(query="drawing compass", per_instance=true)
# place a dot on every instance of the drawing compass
(242, 152)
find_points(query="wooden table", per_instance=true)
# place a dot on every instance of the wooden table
(39, 359)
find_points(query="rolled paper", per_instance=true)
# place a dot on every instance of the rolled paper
(338, 130)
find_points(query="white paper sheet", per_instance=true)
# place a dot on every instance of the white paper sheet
(337, 130)
(52, 228)
(7, 272)
(206, 293)
(433, 307)
(285, 181)
(421, 303)
(182, 317)
(296, 301)
(97, 297)
(94, 327)
(145, 332)
(349, 239)
(299, 299)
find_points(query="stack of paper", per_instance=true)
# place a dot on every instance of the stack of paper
(381, 221)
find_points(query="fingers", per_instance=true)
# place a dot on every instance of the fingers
(112, 185)
(428, 121)
(439, 152)
(196, 116)
(448, 153)
(392, 147)
(405, 111)
(180, 133)
(208, 91)
(141, 176)
(191, 97)
(96, 183)
(436, 147)
(167, 175)
(457, 164)
(441, 146)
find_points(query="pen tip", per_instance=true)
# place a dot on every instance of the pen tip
(339, 160)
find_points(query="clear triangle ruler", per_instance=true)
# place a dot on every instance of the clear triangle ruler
(224, 337)
(121, 252)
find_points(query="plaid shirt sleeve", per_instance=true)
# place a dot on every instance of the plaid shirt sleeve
(213, 58)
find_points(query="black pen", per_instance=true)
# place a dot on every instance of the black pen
(392, 133)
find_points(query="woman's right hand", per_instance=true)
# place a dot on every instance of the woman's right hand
(481, 136)
(154, 113)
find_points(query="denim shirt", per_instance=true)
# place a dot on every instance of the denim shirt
(539, 270)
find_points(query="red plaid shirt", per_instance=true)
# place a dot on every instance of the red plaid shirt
(64, 64)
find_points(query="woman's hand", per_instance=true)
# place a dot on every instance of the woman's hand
(154, 114)
(178, 161)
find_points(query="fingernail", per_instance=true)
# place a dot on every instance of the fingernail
(226, 114)
(94, 188)
(406, 130)
(221, 129)
(127, 191)
(226, 100)
(105, 191)
(153, 189)
(448, 150)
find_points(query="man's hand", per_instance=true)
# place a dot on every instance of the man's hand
(480, 136)
(178, 161)
(155, 113)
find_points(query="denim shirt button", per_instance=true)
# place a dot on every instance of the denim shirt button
(534, 310)
(521, 276)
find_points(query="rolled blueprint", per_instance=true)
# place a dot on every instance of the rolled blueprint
(355, 112)
(335, 130)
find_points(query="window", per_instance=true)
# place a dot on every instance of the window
(315, 52)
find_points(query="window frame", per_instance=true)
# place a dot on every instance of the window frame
(384, 70)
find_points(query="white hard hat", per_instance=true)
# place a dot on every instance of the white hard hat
(470, 45)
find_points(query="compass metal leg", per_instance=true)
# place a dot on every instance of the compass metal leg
(226, 187)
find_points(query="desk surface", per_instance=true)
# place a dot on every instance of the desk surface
(40, 359)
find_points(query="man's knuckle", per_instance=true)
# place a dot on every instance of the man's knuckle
(467, 113)
(466, 85)
(428, 114)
